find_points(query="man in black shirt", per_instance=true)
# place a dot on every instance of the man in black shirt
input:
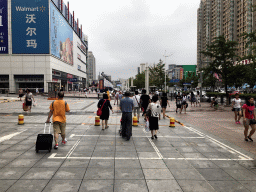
(178, 99)
(144, 100)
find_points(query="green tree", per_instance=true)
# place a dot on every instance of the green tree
(139, 80)
(222, 54)
(157, 75)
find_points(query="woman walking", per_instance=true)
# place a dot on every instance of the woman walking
(28, 100)
(105, 105)
(164, 101)
(236, 105)
(184, 103)
(155, 110)
(144, 100)
(193, 99)
(249, 118)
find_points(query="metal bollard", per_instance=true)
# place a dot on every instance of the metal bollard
(172, 122)
(21, 120)
(134, 121)
(97, 121)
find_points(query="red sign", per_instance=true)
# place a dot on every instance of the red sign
(69, 76)
(181, 73)
(55, 80)
(69, 82)
(101, 84)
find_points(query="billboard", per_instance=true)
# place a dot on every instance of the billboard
(61, 36)
(3, 27)
(101, 84)
(30, 27)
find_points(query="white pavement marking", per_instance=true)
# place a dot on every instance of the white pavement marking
(7, 137)
(144, 158)
(73, 148)
(154, 146)
(73, 135)
(230, 149)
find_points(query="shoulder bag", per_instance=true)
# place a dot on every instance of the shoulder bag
(99, 112)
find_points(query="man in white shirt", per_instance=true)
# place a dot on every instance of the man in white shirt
(136, 104)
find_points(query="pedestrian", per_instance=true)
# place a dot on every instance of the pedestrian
(37, 91)
(126, 106)
(164, 101)
(249, 118)
(178, 99)
(193, 99)
(215, 103)
(236, 107)
(120, 96)
(184, 103)
(98, 94)
(28, 100)
(198, 99)
(136, 104)
(21, 93)
(153, 113)
(105, 105)
(116, 97)
(109, 98)
(144, 100)
(58, 109)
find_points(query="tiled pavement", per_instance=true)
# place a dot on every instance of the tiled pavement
(181, 159)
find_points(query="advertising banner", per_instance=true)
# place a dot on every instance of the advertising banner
(30, 27)
(61, 36)
(101, 84)
(3, 27)
(181, 73)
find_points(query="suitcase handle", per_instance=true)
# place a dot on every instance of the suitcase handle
(49, 127)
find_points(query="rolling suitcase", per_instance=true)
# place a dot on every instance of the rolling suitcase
(44, 141)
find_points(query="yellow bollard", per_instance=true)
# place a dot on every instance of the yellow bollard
(21, 120)
(172, 122)
(97, 121)
(134, 121)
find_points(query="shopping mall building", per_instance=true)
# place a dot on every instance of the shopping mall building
(41, 42)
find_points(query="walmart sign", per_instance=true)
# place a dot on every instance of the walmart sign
(30, 27)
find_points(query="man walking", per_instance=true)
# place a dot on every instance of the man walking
(136, 104)
(58, 109)
(126, 106)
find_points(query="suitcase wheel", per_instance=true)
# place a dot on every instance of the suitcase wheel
(37, 151)
(50, 149)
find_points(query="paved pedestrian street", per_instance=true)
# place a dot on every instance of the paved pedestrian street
(185, 158)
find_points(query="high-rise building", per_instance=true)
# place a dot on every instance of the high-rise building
(91, 67)
(138, 70)
(230, 18)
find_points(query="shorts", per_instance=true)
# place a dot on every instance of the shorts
(164, 106)
(249, 122)
(59, 127)
(237, 109)
(136, 110)
(184, 103)
(178, 106)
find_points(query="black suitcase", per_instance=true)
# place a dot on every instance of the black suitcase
(44, 141)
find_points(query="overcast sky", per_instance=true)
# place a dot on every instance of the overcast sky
(123, 34)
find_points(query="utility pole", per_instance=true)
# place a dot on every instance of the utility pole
(201, 79)
(147, 79)
(165, 69)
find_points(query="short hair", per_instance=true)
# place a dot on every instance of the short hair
(178, 92)
(127, 94)
(136, 92)
(105, 96)
(144, 91)
(155, 98)
(164, 94)
(28, 91)
(236, 94)
(61, 94)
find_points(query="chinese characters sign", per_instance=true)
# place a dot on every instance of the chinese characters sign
(3, 27)
(30, 27)
(61, 36)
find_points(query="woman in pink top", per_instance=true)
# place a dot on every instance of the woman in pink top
(249, 118)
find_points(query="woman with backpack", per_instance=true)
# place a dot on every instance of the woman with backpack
(104, 105)
(28, 100)
(153, 114)
(249, 118)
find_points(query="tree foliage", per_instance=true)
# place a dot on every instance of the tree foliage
(222, 54)
(157, 75)
(139, 80)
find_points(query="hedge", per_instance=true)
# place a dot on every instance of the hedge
(244, 96)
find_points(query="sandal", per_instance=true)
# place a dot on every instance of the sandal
(250, 139)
